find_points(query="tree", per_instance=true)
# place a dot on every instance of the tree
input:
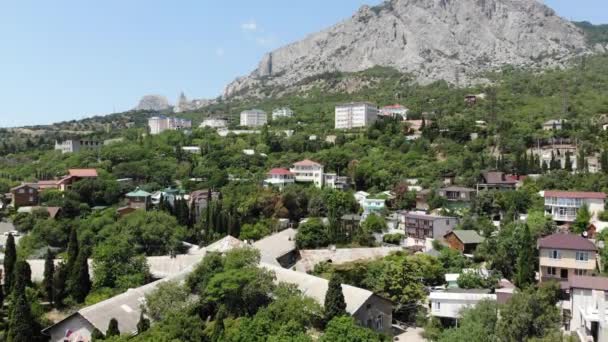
(568, 162)
(112, 328)
(22, 276)
(21, 324)
(97, 335)
(10, 257)
(312, 234)
(525, 267)
(581, 223)
(334, 299)
(49, 273)
(79, 282)
(59, 284)
(476, 324)
(117, 265)
(72, 249)
(143, 324)
(168, 298)
(344, 329)
(199, 278)
(374, 223)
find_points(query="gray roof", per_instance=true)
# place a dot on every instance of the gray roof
(276, 245)
(468, 236)
(312, 257)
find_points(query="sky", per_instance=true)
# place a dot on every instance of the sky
(70, 59)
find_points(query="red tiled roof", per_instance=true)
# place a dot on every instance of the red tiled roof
(83, 173)
(306, 162)
(279, 171)
(589, 282)
(566, 241)
(575, 194)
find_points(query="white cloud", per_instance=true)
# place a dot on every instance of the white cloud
(250, 25)
(220, 52)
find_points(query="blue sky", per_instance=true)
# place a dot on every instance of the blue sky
(68, 59)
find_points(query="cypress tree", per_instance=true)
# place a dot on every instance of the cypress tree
(22, 276)
(79, 283)
(568, 163)
(10, 258)
(334, 299)
(525, 266)
(113, 328)
(143, 324)
(59, 284)
(72, 249)
(21, 324)
(49, 273)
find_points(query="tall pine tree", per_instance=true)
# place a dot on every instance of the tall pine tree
(525, 266)
(21, 325)
(334, 299)
(10, 258)
(49, 273)
(72, 249)
(143, 324)
(79, 282)
(59, 284)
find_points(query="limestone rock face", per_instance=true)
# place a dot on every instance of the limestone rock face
(452, 40)
(153, 103)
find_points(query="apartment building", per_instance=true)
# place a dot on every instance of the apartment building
(283, 112)
(354, 115)
(419, 225)
(253, 118)
(563, 205)
(77, 145)
(159, 124)
(587, 308)
(457, 193)
(308, 171)
(279, 177)
(563, 256)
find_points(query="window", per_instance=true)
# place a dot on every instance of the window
(437, 306)
(551, 271)
(580, 272)
(582, 256)
(555, 254)
(379, 322)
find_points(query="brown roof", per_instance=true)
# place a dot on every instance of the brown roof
(306, 162)
(30, 185)
(497, 177)
(589, 282)
(575, 194)
(82, 173)
(53, 211)
(566, 241)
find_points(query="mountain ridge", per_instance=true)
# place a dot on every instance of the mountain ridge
(433, 40)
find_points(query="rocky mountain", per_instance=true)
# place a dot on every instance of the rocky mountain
(153, 103)
(452, 40)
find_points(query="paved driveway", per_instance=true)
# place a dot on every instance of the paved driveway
(411, 335)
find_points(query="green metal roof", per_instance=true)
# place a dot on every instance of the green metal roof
(138, 193)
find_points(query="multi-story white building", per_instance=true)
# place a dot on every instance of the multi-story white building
(214, 123)
(563, 205)
(253, 118)
(159, 124)
(76, 145)
(394, 110)
(308, 171)
(353, 115)
(587, 306)
(279, 177)
(283, 112)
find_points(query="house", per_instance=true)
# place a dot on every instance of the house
(563, 256)
(333, 181)
(422, 198)
(75, 175)
(214, 123)
(554, 124)
(308, 171)
(587, 308)
(394, 111)
(564, 205)
(52, 211)
(159, 124)
(283, 112)
(139, 199)
(279, 177)
(77, 145)
(419, 225)
(449, 303)
(355, 115)
(464, 241)
(199, 200)
(360, 196)
(253, 118)
(24, 195)
(496, 180)
(457, 193)
(373, 206)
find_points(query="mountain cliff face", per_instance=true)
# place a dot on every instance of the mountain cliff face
(452, 40)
